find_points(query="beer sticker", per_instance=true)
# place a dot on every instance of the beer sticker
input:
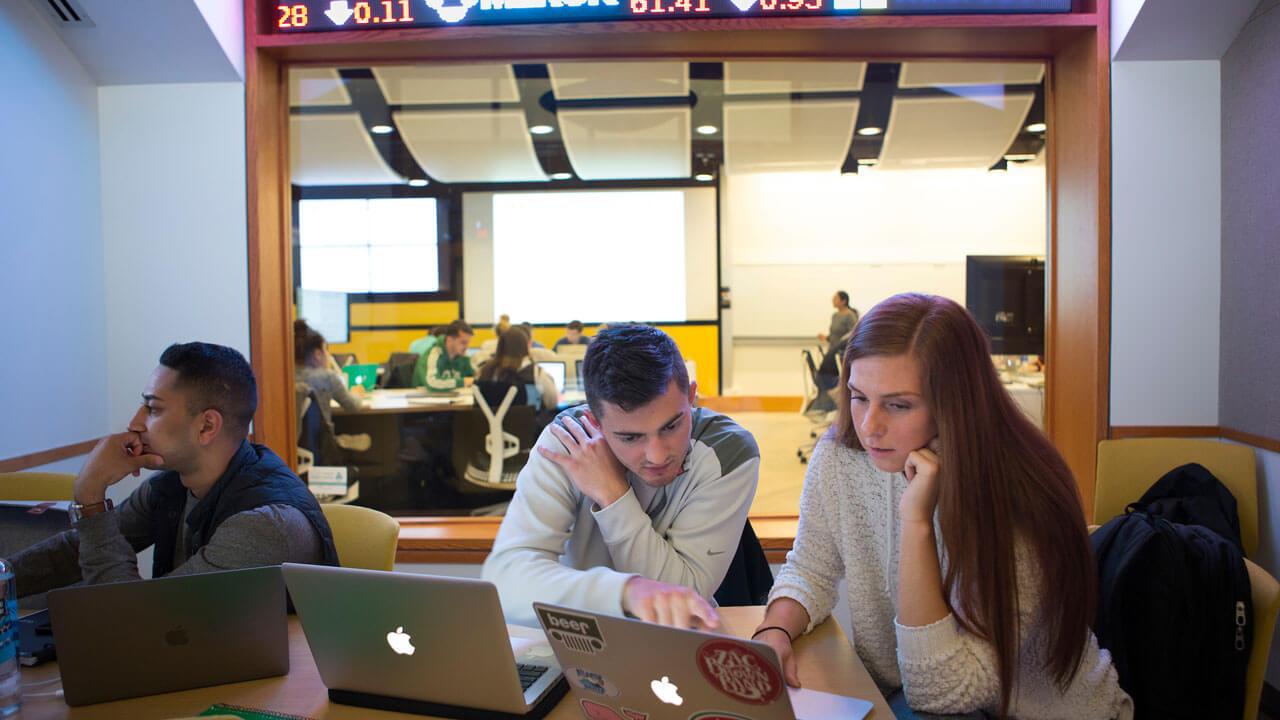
(591, 682)
(579, 633)
(739, 671)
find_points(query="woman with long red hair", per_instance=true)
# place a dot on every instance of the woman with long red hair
(958, 527)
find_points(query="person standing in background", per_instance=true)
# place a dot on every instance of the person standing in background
(842, 322)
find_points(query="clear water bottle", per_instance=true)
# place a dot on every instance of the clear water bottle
(10, 682)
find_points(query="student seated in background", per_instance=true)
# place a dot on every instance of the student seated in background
(633, 504)
(958, 527)
(316, 368)
(572, 336)
(420, 346)
(445, 366)
(528, 330)
(511, 364)
(221, 503)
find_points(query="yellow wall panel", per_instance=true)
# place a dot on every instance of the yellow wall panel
(701, 344)
(405, 313)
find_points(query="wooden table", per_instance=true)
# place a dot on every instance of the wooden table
(826, 662)
(408, 400)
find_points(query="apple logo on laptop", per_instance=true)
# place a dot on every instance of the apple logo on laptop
(176, 636)
(398, 639)
(666, 691)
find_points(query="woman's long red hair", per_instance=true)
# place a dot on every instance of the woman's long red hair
(1002, 483)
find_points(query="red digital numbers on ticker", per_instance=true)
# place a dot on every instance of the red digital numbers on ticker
(655, 7)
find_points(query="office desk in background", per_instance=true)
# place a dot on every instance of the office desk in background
(409, 400)
(826, 662)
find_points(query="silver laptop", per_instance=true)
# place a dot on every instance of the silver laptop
(123, 640)
(421, 643)
(623, 668)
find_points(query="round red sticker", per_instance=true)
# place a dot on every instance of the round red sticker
(739, 671)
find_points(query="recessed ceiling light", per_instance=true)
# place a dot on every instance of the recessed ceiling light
(561, 176)
(867, 161)
(380, 129)
(418, 182)
(1019, 157)
(870, 131)
(707, 129)
(1036, 127)
(704, 177)
(541, 129)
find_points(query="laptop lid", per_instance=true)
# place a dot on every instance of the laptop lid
(555, 369)
(128, 639)
(365, 375)
(623, 668)
(439, 640)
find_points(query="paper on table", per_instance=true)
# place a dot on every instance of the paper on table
(817, 705)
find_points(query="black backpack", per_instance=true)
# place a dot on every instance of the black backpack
(1174, 602)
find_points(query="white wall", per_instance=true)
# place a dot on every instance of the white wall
(51, 283)
(1165, 242)
(174, 228)
(790, 240)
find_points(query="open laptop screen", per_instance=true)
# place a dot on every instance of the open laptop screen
(555, 369)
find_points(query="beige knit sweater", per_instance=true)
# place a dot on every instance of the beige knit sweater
(849, 527)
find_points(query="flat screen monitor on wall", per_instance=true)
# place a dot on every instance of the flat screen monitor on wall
(326, 312)
(1006, 295)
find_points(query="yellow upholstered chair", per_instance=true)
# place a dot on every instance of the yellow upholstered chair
(1126, 468)
(364, 537)
(36, 486)
(1266, 604)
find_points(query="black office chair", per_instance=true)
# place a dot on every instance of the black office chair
(398, 372)
(749, 578)
(316, 442)
(817, 405)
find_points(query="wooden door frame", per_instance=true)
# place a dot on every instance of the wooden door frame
(1075, 46)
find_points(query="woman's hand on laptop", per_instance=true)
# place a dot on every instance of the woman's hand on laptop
(114, 457)
(666, 604)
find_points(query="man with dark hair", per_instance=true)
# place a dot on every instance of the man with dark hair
(842, 323)
(572, 335)
(445, 365)
(634, 504)
(220, 503)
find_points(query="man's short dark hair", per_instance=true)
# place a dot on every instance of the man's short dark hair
(629, 365)
(844, 296)
(215, 377)
(575, 325)
(458, 327)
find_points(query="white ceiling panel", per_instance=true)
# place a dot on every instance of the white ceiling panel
(952, 132)
(785, 136)
(751, 78)
(581, 81)
(943, 74)
(309, 87)
(447, 84)
(471, 145)
(335, 150)
(627, 143)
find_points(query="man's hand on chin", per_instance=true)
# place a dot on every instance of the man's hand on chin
(667, 604)
(114, 457)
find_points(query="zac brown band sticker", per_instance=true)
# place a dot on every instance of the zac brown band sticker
(739, 671)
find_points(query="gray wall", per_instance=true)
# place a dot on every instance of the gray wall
(1249, 374)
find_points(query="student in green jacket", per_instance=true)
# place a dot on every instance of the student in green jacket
(445, 366)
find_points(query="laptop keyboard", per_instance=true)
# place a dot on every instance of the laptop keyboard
(529, 674)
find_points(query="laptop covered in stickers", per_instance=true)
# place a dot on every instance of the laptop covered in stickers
(422, 644)
(624, 669)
